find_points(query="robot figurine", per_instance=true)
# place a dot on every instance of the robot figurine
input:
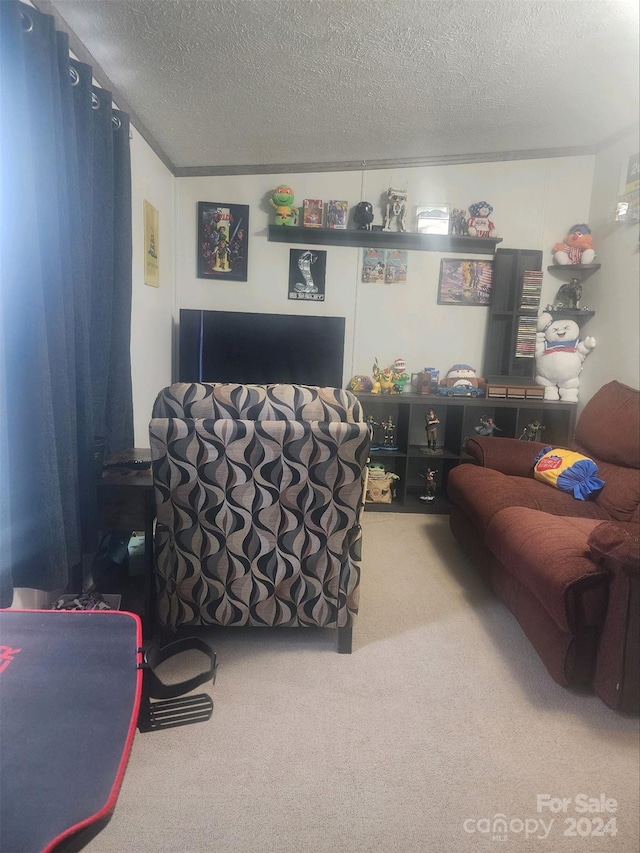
(396, 210)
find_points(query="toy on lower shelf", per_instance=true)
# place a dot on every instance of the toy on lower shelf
(380, 485)
(429, 493)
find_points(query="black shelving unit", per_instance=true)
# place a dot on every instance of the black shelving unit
(458, 416)
(509, 267)
(383, 239)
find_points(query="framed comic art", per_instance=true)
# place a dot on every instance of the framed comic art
(223, 240)
(465, 282)
(307, 271)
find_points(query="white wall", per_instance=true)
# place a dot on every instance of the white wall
(613, 292)
(265, 290)
(534, 201)
(152, 308)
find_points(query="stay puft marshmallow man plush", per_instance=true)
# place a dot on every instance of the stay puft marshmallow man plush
(560, 354)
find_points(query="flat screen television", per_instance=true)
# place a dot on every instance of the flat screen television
(250, 348)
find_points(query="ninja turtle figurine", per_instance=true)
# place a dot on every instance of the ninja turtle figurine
(282, 202)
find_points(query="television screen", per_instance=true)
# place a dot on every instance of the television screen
(233, 346)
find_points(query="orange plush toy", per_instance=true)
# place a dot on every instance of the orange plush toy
(576, 248)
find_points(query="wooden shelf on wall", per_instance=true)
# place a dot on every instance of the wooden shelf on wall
(383, 239)
(576, 314)
(569, 271)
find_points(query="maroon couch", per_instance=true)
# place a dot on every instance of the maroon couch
(568, 570)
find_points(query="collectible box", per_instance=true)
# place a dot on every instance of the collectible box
(337, 214)
(312, 213)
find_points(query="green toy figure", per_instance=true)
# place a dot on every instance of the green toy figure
(282, 202)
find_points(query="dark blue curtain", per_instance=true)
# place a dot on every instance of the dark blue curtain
(65, 373)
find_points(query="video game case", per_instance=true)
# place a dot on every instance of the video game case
(337, 214)
(312, 212)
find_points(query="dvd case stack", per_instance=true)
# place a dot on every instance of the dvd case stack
(531, 289)
(526, 337)
(527, 324)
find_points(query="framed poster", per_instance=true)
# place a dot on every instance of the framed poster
(465, 282)
(307, 270)
(223, 240)
(151, 246)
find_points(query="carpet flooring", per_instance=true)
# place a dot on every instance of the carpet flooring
(441, 732)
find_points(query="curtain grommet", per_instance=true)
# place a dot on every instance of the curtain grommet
(27, 21)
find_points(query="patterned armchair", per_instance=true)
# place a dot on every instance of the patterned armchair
(259, 491)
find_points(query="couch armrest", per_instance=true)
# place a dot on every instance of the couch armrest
(510, 456)
(616, 678)
(617, 546)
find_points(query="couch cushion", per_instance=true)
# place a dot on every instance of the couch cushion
(609, 426)
(482, 492)
(620, 495)
(550, 556)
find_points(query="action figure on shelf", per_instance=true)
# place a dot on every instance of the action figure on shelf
(383, 382)
(372, 425)
(431, 428)
(486, 427)
(400, 375)
(458, 223)
(389, 440)
(396, 210)
(531, 431)
(569, 295)
(429, 477)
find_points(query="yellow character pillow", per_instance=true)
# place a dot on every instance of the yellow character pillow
(567, 470)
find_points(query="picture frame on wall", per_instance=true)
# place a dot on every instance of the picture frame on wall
(151, 246)
(307, 273)
(223, 240)
(465, 282)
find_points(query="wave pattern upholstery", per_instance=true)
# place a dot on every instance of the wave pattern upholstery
(258, 518)
(257, 402)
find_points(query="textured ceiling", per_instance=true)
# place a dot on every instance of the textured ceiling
(221, 83)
